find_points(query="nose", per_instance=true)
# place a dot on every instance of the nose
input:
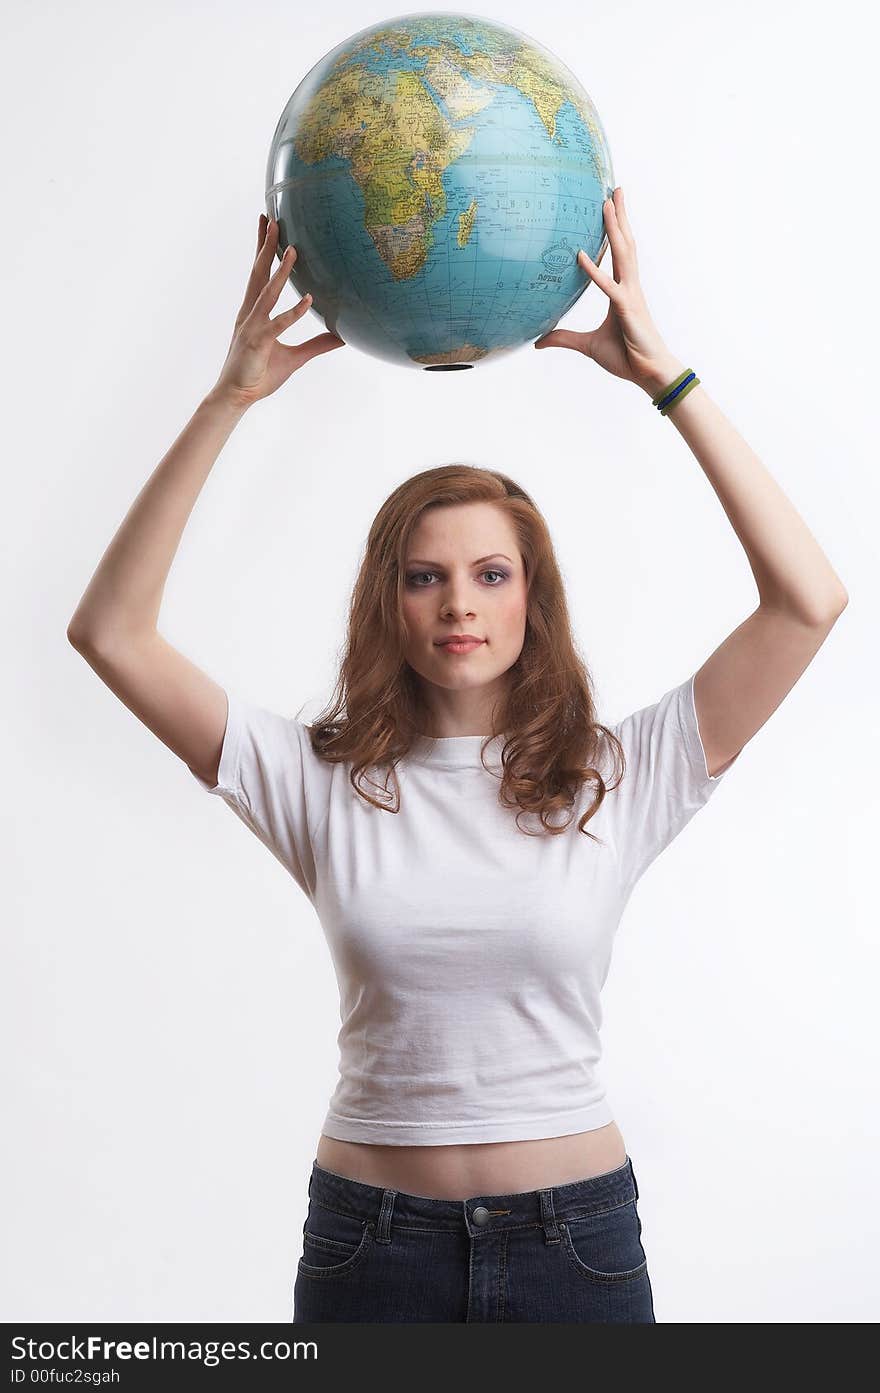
(454, 599)
(458, 612)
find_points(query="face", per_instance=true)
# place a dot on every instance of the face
(463, 575)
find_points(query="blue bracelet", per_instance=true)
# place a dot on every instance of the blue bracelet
(675, 391)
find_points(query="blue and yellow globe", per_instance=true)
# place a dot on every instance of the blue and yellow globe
(437, 175)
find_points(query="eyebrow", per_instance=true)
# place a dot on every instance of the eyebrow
(417, 561)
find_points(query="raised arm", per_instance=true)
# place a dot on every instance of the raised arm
(115, 624)
(743, 681)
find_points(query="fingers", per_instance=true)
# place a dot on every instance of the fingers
(604, 282)
(260, 269)
(615, 238)
(266, 254)
(262, 294)
(623, 247)
(266, 244)
(620, 212)
(322, 343)
(299, 353)
(283, 321)
(267, 248)
(561, 338)
(282, 271)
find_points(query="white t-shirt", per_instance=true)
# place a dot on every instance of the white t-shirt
(469, 956)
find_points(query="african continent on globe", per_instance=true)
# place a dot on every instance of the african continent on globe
(437, 175)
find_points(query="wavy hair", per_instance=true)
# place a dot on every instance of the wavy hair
(548, 715)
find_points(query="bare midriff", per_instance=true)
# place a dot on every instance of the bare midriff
(478, 1168)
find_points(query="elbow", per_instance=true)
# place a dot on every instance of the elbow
(76, 636)
(828, 610)
(829, 615)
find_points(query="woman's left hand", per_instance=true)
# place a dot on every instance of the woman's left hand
(628, 344)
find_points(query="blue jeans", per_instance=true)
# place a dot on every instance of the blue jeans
(565, 1253)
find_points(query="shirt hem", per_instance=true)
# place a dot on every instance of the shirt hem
(586, 1119)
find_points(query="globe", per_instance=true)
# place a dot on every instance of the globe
(438, 174)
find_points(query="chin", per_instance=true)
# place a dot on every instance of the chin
(474, 675)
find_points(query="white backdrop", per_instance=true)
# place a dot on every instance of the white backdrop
(169, 1006)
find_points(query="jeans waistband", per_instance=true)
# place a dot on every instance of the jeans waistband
(382, 1206)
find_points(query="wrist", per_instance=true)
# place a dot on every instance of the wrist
(225, 403)
(660, 374)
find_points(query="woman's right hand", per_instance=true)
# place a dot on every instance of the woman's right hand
(256, 364)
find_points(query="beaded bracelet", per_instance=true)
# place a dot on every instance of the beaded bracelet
(683, 384)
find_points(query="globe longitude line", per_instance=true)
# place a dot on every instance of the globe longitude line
(472, 338)
(526, 262)
(449, 268)
(424, 276)
(503, 263)
(478, 337)
(449, 273)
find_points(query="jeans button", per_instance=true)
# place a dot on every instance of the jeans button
(480, 1214)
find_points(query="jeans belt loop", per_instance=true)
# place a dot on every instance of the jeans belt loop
(635, 1182)
(383, 1227)
(548, 1217)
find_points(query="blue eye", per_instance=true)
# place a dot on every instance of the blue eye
(413, 579)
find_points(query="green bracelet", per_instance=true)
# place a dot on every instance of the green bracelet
(683, 384)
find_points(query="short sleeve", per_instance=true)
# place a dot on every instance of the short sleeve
(666, 781)
(267, 777)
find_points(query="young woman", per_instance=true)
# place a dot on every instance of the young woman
(468, 834)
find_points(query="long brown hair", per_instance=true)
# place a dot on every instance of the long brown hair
(548, 714)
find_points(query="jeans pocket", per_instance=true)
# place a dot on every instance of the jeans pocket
(334, 1243)
(606, 1247)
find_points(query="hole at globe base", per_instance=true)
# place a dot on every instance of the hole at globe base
(446, 367)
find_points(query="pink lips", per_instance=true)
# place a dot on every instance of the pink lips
(462, 646)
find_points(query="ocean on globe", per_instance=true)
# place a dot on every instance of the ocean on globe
(438, 174)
